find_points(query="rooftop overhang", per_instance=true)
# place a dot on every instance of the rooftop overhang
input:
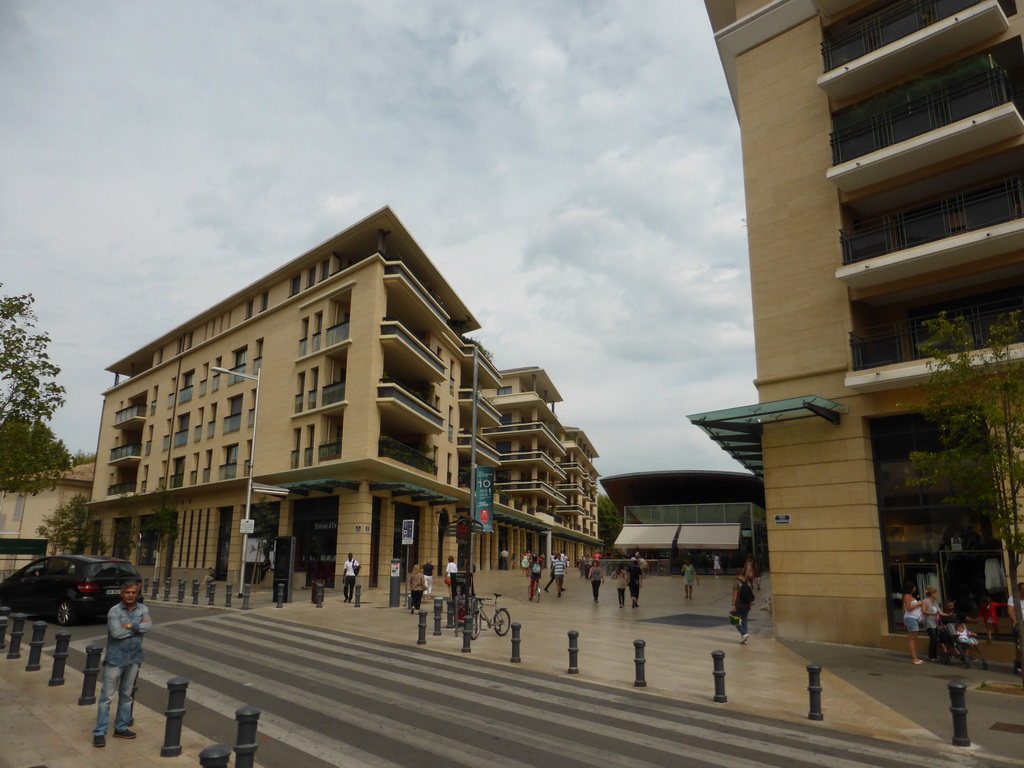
(303, 487)
(738, 430)
(416, 492)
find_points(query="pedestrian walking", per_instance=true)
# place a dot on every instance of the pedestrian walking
(417, 586)
(621, 577)
(742, 599)
(689, 574)
(449, 574)
(636, 578)
(524, 563)
(913, 618)
(127, 622)
(558, 573)
(717, 566)
(596, 578)
(350, 570)
(503, 560)
(428, 577)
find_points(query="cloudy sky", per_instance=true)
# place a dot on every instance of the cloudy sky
(573, 169)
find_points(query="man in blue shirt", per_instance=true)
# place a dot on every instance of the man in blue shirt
(127, 622)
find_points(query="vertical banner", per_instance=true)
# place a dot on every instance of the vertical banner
(484, 512)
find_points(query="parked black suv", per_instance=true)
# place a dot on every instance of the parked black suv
(68, 587)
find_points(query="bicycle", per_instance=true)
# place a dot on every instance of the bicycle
(533, 591)
(499, 620)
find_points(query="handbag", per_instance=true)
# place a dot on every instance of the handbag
(734, 619)
(447, 581)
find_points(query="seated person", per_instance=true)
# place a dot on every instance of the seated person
(965, 635)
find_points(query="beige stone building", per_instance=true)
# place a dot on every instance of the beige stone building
(364, 416)
(22, 514)
(881, 143)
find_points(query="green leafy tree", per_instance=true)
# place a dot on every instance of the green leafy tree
(163, 519)
(266, 518)
(67, 527)
(609, 521)
(976, 399)
(31, 458)
(81, 457)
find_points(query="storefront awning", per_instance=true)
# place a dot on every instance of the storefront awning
(647, 536)
(418, 493)
(720, 536)
(303, 487)
(738, 430)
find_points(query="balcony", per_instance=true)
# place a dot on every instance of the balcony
(403, 410)
(332, 394)
(177, 481)
(392, 449)
(185, 394)
(232, 423)
(130, 453)
(487, 414)
(132, 417)
(530, 458)
(531, 488)
(974, 112)
(959, 229)
(528, 429)
(329, 451)
(904, 37)
(900, 344)
(570, 510)
(486, 454)
(227, 471)
(336, 334)
(180, 438)
(119, 489)
(234, 379)
(405, 290)
(407, 355)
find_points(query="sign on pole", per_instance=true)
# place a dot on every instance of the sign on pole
(484, 502)
(408, 531)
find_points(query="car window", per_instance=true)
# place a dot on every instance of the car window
(58, 566)
(37, 568)
(120, 571)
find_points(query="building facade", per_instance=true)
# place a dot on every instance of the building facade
(881, 143)
(364, 417)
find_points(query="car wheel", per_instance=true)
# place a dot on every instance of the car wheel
(66, 613)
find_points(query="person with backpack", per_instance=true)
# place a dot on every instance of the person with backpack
(742, 599)
(535, 574)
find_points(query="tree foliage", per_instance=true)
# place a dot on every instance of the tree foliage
(67, 527)
(976, 400)
(609, 521)
(31, 458)
(266, 518)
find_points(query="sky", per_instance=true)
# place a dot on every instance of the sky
(572, 168)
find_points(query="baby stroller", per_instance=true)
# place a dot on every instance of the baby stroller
(952, 648)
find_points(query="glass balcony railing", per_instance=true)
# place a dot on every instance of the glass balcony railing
(303, 346)
(177, 481)
(197, 434)
(329, 451)
(335, 334)
(206, 475)
(904, 340)
(315, 342)
(392, 449)
(184, 395)
(211, 428)
(118, 488)
(332, 393)
(129, 413)
(295, 460)
(894, 23)
(131, 450)
(307, 457)
(227, 471)
(961, 98)
(232, 423)
(299, 402)
(181, 438)
(937, 220)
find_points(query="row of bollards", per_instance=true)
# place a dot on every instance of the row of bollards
(211, 592)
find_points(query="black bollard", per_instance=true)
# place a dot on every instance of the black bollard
(719, 673)
(90, 673)
(245, 743)
(438, 606)
(5, 612)
(181, 590)
(228, 589)
(35, 646)
(195, 591)
(450, 607)
(156, 588)
(640, 661)
(167, 589)
(214, 756)
(359, 594)
(421, 638)
(145, 585)
(175, 713)
(467, 631)
(958, 706)
(516, 627)
(60, 657)
(280, 595)
(574, 652)
(17, 631)
(246, 589)
(211, 593)
(814, 689)
(319, 595)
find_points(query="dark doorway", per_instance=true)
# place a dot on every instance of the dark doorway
(223, 543)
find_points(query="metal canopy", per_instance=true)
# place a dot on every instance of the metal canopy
(738, 430)
(303, 487)
(418, 493)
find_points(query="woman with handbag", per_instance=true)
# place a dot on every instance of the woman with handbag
(449, 575)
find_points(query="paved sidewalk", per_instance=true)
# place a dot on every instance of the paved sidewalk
(876, 693)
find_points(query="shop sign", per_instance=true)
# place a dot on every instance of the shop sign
(782, 519)
(325, 525)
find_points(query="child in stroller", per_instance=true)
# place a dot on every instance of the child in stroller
(959, 643)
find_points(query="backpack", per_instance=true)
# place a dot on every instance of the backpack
(746, 594)
(535, 570)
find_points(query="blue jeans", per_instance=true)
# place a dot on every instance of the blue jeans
(120, 680)
(742, 626)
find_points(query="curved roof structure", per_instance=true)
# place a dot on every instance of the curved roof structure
(685, 486)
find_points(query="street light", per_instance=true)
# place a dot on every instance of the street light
(252, 458)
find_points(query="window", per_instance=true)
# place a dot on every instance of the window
(231, 454)
(310, 276)
(248, 309)
(264, 301)
(504, 390)
(325, 269)
(296, 285)
(240, 356)
(19, 507)
(233, 421)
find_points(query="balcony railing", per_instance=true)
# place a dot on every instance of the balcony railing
(177, 480)
(131, 450)
(392, 449)
(335, 334)
(329, 451)
(299, 402)
(403, 394)
(311, 399)
(232, 423)
(894, 23)
(965, 212)
(118, 488)
(181, 437)
(129, 413)
(227, 471)
(332, 393)
(235, 379)
(185, 394)
(904, 340)
(945, 105)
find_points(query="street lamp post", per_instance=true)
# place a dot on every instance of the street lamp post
(252, 461)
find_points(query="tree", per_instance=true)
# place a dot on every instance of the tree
(31, 458)
(81, 457)
(266, 517)
(976, 399)
(609, 521)
(67, 528)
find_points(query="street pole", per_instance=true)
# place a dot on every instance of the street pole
(472, 469)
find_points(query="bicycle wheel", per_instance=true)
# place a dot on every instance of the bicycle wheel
(502, 622)
(477, 621)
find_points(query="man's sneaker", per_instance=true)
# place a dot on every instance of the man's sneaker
(99, 740)
(743, 640)
(125, 734)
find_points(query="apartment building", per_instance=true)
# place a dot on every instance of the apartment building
(364, 375)
(882, 145)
